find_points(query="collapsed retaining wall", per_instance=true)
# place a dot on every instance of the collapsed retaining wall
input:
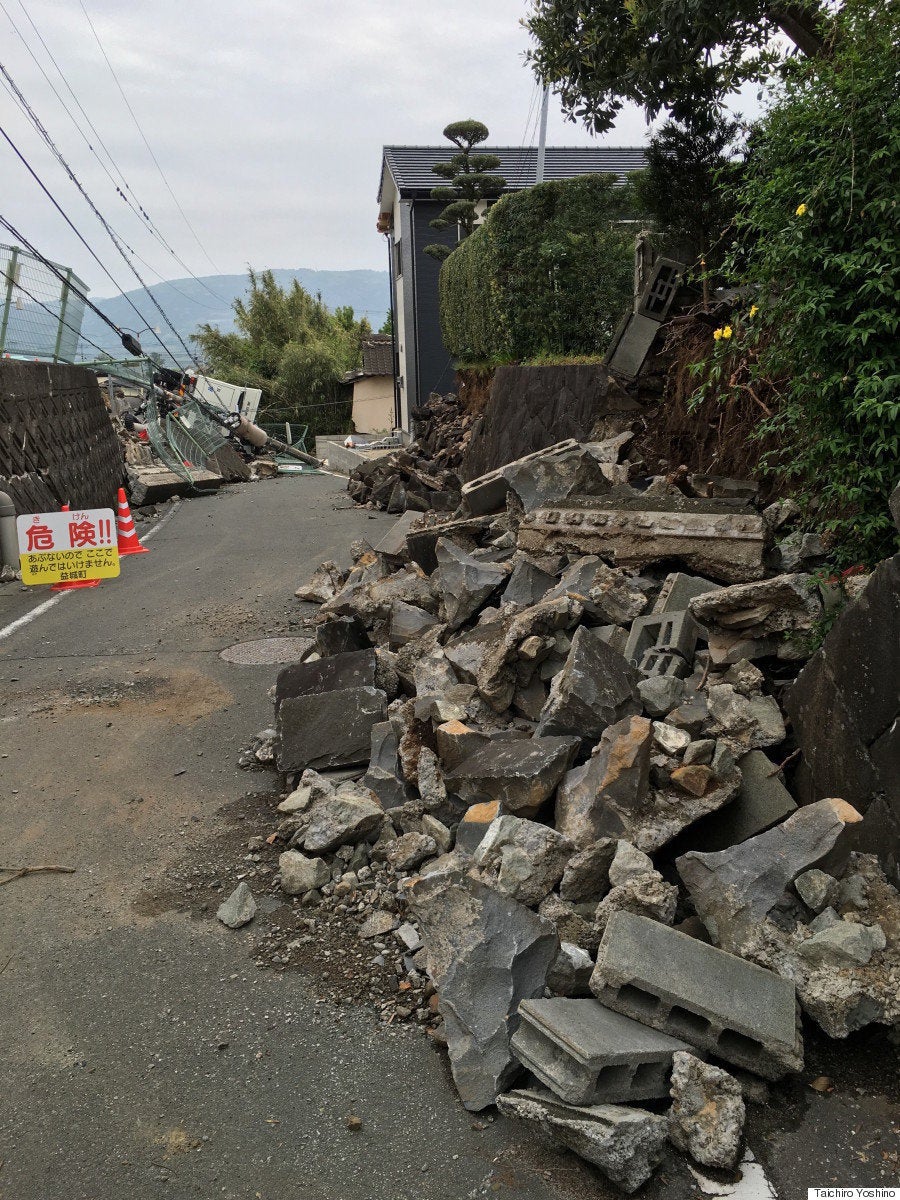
(530, 408)
(57, 444)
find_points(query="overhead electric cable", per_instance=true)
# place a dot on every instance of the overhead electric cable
(144, 137)
(137, 208)
(54, 315)
(103, 221)
(83, 239)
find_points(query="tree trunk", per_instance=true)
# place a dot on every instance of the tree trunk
(801, 26)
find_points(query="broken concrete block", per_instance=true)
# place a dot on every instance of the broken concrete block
(486, 954)
(528, 859)
(648, 895)
(605, 592)
(707, 1116)
(670, 738)
(595, 689)
(843, 942)
(713, 1000)
(475, 823)
(628, 863)
(466, 582)
(345, 818)
(333, 729)
(625, 1143)
(456, 741)
(588, 1054)
(735, 889)
(614, 781)
(571, 972)
(573, 922)
(785, 607)
(327, 580)
(300, 874)
(240, 908)
(727, 546)
(521, 775)
(586, 876)
(553, 475)
(391, 549)
(662, 643)
(679, 589)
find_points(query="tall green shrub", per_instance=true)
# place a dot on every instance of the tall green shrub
(819, 255)
(548, 273)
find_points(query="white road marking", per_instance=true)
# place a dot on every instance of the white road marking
(21, 622)
(753, 1184)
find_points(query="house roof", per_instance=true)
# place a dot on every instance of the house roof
(377, 355)
(410, 166)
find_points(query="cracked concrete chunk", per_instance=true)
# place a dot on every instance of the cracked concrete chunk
(486, 953)
(594, 800)
(844, 942)
(527, 858)
(333, 729)
(347, 817)
(625, 1143)
(786, 607)
(707, 1116)
(586, 876)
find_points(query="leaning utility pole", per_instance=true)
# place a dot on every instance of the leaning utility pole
(542, 142)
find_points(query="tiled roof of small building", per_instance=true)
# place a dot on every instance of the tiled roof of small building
(377, 355)
(410, 166)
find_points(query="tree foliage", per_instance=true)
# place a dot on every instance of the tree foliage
(289, 344)
(816, 343)
(469, 181)
(678, 56)
(688, 186)
(548, 273)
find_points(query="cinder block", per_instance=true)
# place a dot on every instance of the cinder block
(588, 1054)
(720, 1003)
(663, 643)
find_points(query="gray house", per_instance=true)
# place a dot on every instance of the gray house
(421, 362)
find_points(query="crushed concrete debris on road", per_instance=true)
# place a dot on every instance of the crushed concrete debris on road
(536, 765)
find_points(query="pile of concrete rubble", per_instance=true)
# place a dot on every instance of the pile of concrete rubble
(422, 476)
(535, 756)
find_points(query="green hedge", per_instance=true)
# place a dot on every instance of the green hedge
(549, 273)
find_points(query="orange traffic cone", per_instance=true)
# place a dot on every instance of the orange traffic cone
(127, 534)
(76, 583)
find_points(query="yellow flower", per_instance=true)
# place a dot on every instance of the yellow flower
(801, 209)
(717, 334)
(726, 332)
(754, 309)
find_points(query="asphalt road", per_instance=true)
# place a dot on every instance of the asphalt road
(143, 1054)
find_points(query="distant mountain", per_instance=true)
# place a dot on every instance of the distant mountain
(188, 304)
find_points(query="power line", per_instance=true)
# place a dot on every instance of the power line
(144, 137)
(107, 227)
(136, 208)
(80, 237)
(55, 316)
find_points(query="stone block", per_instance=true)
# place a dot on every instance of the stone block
(475, 823)
(528, 584)
(392, 550)
(466, 582)
(355, 669)
(521, 775)
(333, 729)
(555, 475)
(408, 623)
(383, 776)
(596, 688)
(713, 1000)
(761, 802)
(588, 1054)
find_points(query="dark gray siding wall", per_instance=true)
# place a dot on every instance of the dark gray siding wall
(434, 366)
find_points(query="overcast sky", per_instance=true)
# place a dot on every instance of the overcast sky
(268, 119)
